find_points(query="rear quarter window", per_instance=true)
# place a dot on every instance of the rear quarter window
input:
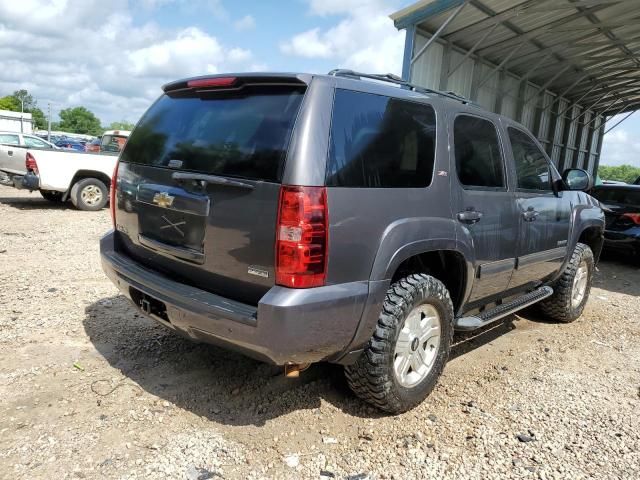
(242, 134)
(380, 142)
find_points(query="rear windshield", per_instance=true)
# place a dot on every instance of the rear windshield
(240, 135)
(623, 196)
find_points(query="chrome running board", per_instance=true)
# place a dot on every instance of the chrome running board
(474, 322)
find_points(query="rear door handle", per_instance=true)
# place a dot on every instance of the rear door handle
(10, 153)
(470, 216)
(530, 215)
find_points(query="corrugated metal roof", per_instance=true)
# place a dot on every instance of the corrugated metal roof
(589, 49)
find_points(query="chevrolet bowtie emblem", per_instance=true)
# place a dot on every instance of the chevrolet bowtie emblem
(163, 199)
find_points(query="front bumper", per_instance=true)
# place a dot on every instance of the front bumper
(287, 326)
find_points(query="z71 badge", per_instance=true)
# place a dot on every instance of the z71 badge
(260, 272)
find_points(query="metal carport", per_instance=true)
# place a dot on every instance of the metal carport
(561, 67)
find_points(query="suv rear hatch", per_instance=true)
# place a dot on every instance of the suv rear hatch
(199, 180)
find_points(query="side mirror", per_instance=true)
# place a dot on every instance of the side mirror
(577, 179)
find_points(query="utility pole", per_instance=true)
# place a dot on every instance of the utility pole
(49, 129)
(21, 115)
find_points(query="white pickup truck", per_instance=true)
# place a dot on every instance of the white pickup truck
(60, 175)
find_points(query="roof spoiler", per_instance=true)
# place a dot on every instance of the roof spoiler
(235, 81)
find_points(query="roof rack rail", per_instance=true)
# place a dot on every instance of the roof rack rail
(396, 80)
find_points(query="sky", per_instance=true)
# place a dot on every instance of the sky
(621, 146)
(113, 56)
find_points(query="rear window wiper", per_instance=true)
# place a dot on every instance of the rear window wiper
(205, 179)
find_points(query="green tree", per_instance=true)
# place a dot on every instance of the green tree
(14, 102)
(9, 103)
(25, 99)
(79, 120)
(39, 120)
(620, 173)
(121, 125)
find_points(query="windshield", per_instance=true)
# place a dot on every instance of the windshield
(240, 135)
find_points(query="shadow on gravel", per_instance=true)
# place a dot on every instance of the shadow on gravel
(618, 273)
(220, 385)
(34, 203)
(467, 342)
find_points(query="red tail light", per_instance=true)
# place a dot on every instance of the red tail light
(112, 194)
(302, 237)
(634, 217)
(211, 82)
(30, 163)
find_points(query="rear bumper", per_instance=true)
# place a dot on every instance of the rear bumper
(29, 181)
(287, 326)
(626, 241)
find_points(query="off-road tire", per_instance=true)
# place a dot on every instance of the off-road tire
(82, 204)
(372, 376)
(55, 197)
(558, 306)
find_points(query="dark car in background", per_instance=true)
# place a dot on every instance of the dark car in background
(621, 205)
(72, 144)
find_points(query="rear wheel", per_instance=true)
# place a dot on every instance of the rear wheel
(402, 362)
(55, 197)
(89, 194)
(571, 290)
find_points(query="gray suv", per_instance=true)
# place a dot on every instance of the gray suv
(348, 218)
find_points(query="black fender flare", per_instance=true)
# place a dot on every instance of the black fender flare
(583, 216)
(404, 239)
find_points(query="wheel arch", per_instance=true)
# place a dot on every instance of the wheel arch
(447, 265)
(429, 256)
(593, 236)
(82, 174)
(588, 228)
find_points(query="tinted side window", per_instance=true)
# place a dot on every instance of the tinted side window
(532, 167)
(477, 150)
(380, 142)
(9, 139)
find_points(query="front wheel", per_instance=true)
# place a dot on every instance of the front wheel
(404, 358)
(571, 290)
(89, 194)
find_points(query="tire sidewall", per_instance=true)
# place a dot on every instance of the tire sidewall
(77, 195)
(587, 256)
(425, 294)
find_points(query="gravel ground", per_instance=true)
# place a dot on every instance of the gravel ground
(90, 389)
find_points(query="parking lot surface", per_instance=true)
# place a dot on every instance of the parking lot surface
(89, 388)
